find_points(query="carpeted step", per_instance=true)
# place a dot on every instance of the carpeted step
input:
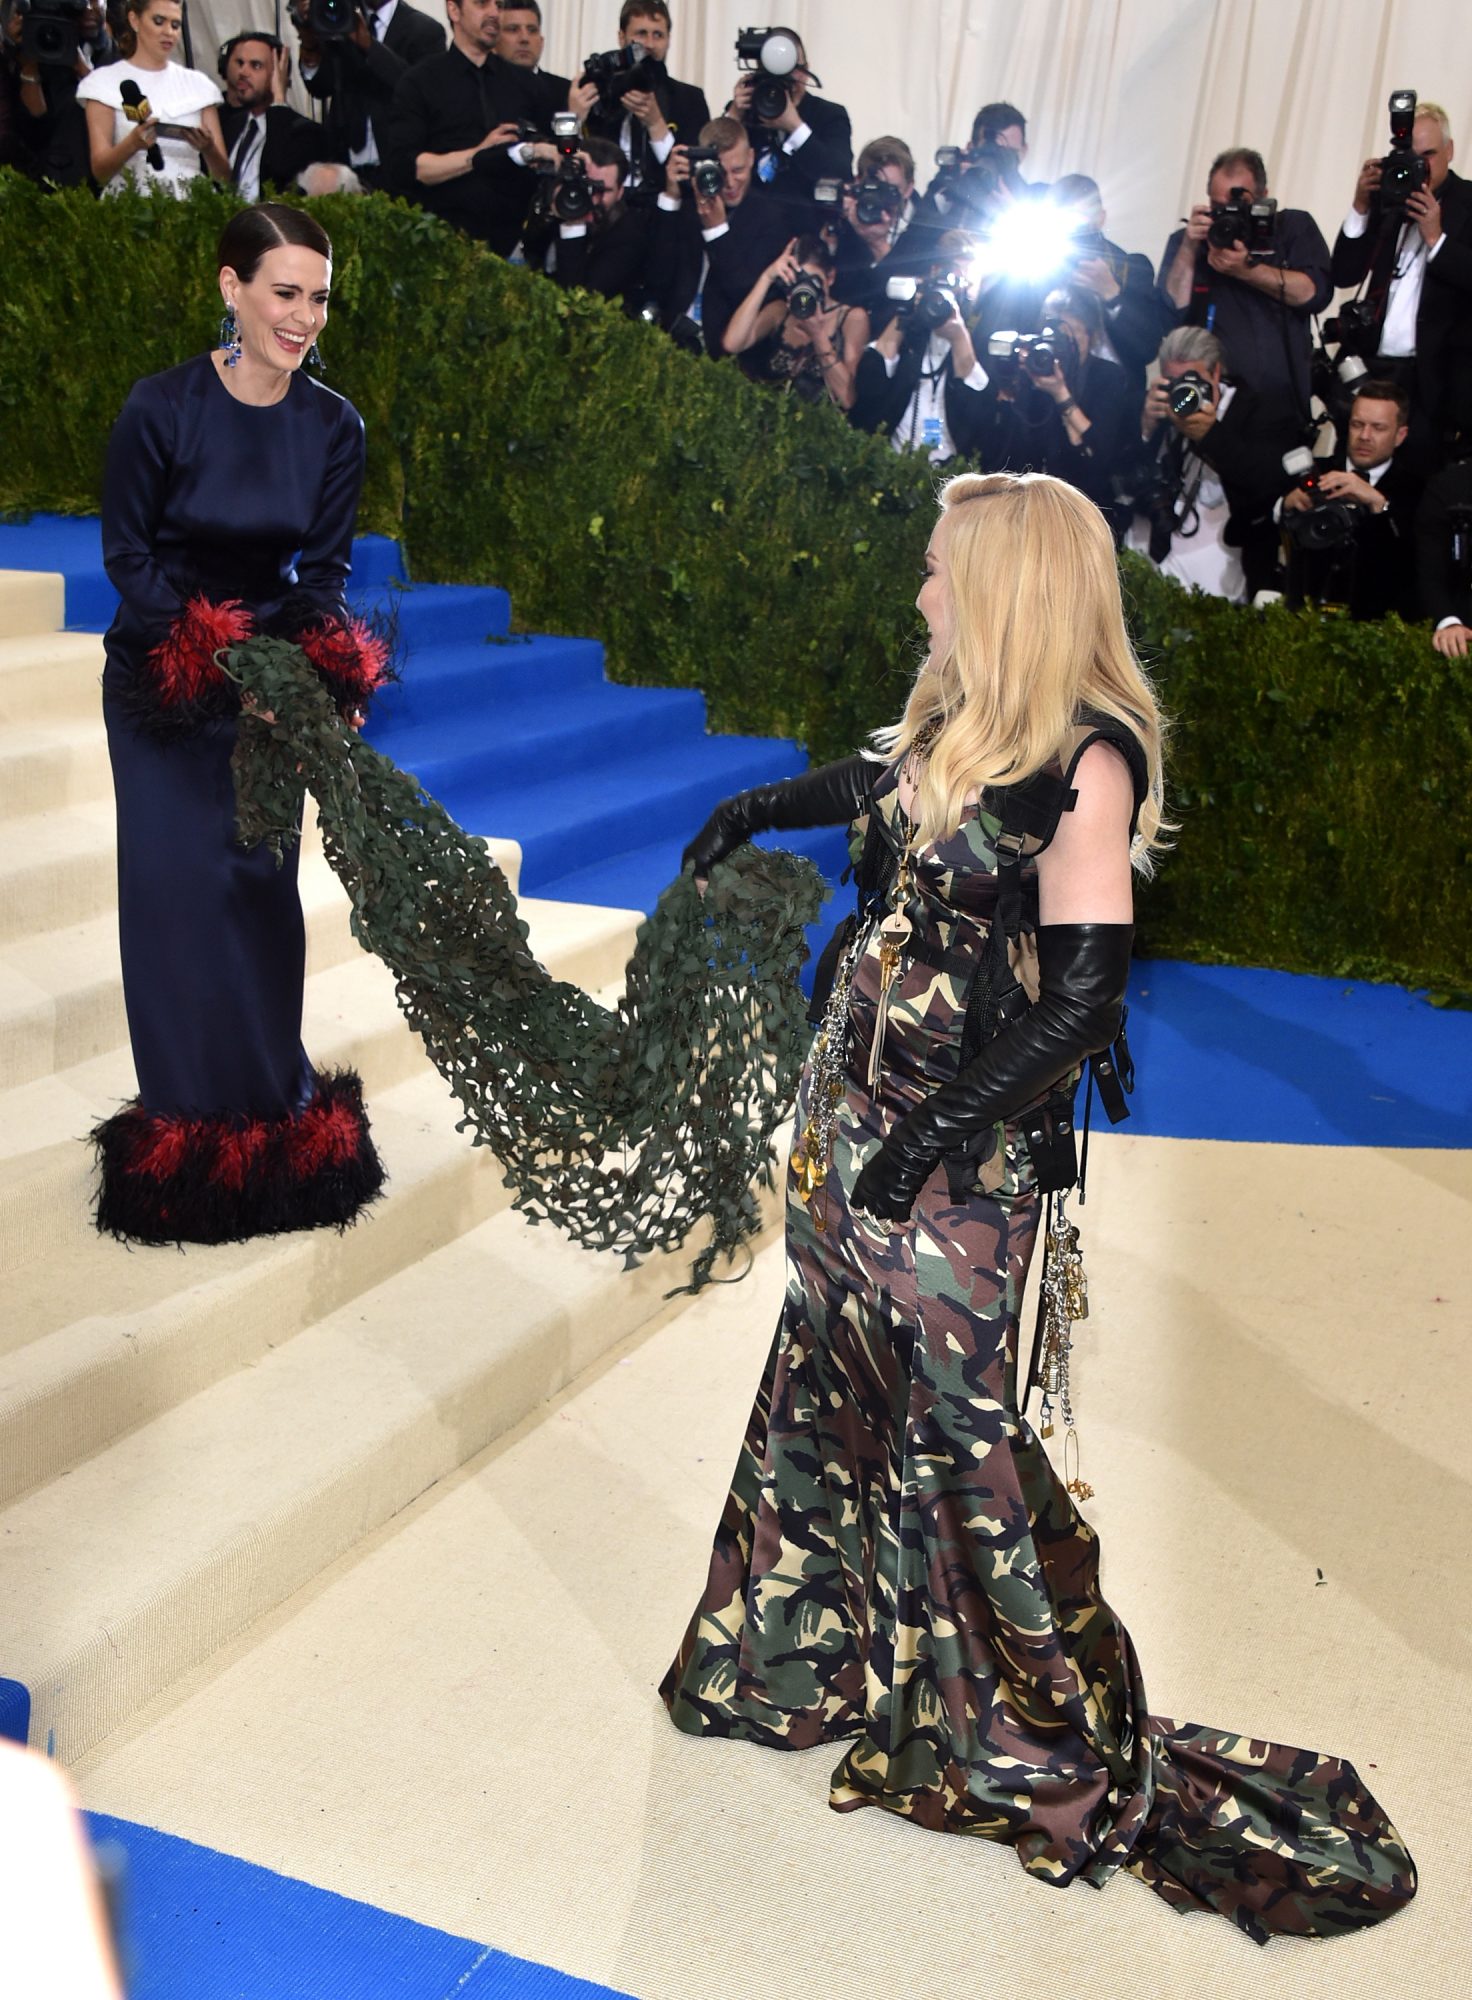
(46, 676)
(29, 602)
(558, 728)
(582, 817)
(464, 684)
(149, 1555)
(53, 765)
(71, 546)
(437, 614)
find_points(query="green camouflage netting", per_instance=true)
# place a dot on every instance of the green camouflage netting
(623, 1126)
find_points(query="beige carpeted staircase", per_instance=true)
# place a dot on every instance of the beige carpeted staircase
(187, 1438)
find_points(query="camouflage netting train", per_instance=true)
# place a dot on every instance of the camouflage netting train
(624, 1127)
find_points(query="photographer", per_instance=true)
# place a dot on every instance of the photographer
(357, 74)
(1209, 472)
(268, 144)
(1136, 318)
(521, 42)
(43, 129)
(1358, 547)
(919, 379)
(877, 235)
(455, 138)
(1257, 297)
(648, 124)
(1002, 125)
(1444, 559)
(790, 330)
(742, 227)
(1412, 254)
(614, 250)
(804, 140)
(1058, 406)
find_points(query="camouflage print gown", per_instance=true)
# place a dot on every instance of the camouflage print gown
(899, 1567)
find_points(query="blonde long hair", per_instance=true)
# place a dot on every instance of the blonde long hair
(1037, 634)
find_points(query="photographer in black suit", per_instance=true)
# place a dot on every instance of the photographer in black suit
(809, 139)
(454, 137)
(1350, 524)
(743, 227)
(357, 74)
(1061, 406)
(1413, 258)
(1209, 471)
(1258, 301)
(872, 246)
(648, 124)
(266, 142)
(919, 377)
(622, 248)
(1444, 559)
(1136, 318)
(43, 129)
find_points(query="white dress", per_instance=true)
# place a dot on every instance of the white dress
(176, 96)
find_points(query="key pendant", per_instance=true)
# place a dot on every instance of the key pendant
(894, 935)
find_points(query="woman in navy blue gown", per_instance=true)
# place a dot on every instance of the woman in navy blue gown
(228, 507)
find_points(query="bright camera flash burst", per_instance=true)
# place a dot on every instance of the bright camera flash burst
(1029, 240)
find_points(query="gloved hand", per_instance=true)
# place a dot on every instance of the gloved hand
(1083, 971)
(832, 795)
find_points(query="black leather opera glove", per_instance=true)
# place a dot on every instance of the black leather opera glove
(832, 795)
(1083, 971)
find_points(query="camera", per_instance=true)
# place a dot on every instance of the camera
(1402, 172)
(805, 296)
(973, 177)
(1335, 382)
(874, 200)
(1460, 513)
(618, 71)
(707, 175)
(927, 303)
(1240, 219)
(775, 55)
(1327, 524)
(51, 30)
(1036, 354)
(1190, 394)
(332, 20)
(569, 194)
(1353, 327)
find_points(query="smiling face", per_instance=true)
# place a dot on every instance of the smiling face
(158, 27)
(283, 307)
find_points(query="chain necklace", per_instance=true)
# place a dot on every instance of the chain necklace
(813, 1152)
(1065, 1304)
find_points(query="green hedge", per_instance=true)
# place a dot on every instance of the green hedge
(718, 536)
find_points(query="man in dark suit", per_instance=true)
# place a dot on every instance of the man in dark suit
(648, 124)
(453, 141)
(743, 227)
(1208, 480)
(521, 41)
(1373, 570)
(266, 142)
(357, 74)
(1415, 264)
(1136, 318)
(1444, 559)
(809, 140)
(924, 385)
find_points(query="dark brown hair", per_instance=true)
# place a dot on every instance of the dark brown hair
(1381, 391)
(251, 232)
(1245, 157)
(643, 10)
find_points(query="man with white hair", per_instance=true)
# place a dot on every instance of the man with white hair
(1414, 261)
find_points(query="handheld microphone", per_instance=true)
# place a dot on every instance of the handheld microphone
(138, 111)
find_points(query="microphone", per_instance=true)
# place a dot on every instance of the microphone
(138, 111)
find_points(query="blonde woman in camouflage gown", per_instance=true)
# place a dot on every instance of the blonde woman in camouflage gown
(898, 1567)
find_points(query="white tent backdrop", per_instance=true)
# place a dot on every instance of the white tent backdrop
(1139, 93)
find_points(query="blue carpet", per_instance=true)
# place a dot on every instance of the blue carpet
(205, 1924)
(602, 785)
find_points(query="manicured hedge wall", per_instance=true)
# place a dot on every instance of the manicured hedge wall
(718, 536)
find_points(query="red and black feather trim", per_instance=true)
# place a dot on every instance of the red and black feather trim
(353, 654)
(182, 685)
(225, 1180)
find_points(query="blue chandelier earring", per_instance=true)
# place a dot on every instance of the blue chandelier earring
(314, 358)
(230, 336)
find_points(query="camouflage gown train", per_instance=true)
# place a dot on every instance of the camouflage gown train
(899, 1566)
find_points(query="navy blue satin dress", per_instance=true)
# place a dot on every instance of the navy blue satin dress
(207, 496)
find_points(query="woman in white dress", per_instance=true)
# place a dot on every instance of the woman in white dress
(181, 133)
